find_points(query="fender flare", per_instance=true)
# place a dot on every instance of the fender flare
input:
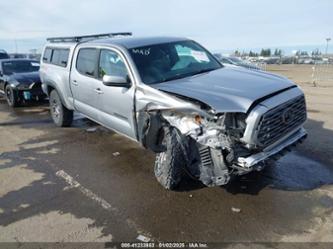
(54, 86)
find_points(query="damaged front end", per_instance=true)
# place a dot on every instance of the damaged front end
(214, 144)
(208, 140)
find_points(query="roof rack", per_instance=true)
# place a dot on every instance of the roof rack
(87, 37)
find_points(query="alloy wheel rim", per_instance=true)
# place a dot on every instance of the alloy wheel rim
(55, 109)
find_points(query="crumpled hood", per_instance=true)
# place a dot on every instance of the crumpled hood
(26, 78)
(229, 89)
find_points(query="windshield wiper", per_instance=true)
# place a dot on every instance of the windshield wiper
(181, 76)
(204, 71)
(176, 77)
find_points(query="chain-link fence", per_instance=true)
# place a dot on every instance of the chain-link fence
(261, 65)
(322, 75)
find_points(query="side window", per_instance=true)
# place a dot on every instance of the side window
(110, 63)
(87, 61)
(64, 57)
(47, 55)
(55, 56)
(60, 57)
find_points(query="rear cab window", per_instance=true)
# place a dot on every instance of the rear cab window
(60, 57)
(47, 55)
(56, 56)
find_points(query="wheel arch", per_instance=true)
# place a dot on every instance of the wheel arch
(53, 86)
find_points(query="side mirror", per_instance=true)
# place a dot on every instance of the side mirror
(117, 81)
(1, 74)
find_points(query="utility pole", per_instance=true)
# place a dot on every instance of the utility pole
(15, 41)
(327, 41)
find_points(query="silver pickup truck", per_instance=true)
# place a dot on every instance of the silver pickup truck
(175, 98)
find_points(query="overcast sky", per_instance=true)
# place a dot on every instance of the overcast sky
(217, 24)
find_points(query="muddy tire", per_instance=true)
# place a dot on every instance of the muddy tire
(169, 164)
(11, 96)
(61, 116)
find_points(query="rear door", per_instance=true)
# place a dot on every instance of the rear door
(85, 83)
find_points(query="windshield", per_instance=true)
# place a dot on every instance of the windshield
(169, 61)
(17, 66)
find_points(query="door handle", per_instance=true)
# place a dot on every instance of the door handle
(99, 91)
(74, 82)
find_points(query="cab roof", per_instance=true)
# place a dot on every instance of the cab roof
(127, 42)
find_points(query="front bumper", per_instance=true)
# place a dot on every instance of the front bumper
(28, 92)
(249, 163)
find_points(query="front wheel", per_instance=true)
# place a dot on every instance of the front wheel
(169, 165)
(11, 96)
(61, 116)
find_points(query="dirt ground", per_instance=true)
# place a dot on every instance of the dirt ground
(69, 185)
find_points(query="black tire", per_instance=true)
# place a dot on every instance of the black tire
(169, 165)
(61, 116)
(11, 96)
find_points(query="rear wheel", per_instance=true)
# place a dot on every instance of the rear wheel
(169, 165)
(11, 96)
(61, 116)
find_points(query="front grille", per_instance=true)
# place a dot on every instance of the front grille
(281, 120)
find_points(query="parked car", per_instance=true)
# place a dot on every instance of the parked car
(19, 81)
(236, 62)
(3, 54)
(175, 98)
(19, 56)
(273, 60)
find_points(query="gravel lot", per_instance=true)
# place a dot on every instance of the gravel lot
(69, 185)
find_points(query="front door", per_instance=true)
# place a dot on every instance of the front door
(117, 102)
